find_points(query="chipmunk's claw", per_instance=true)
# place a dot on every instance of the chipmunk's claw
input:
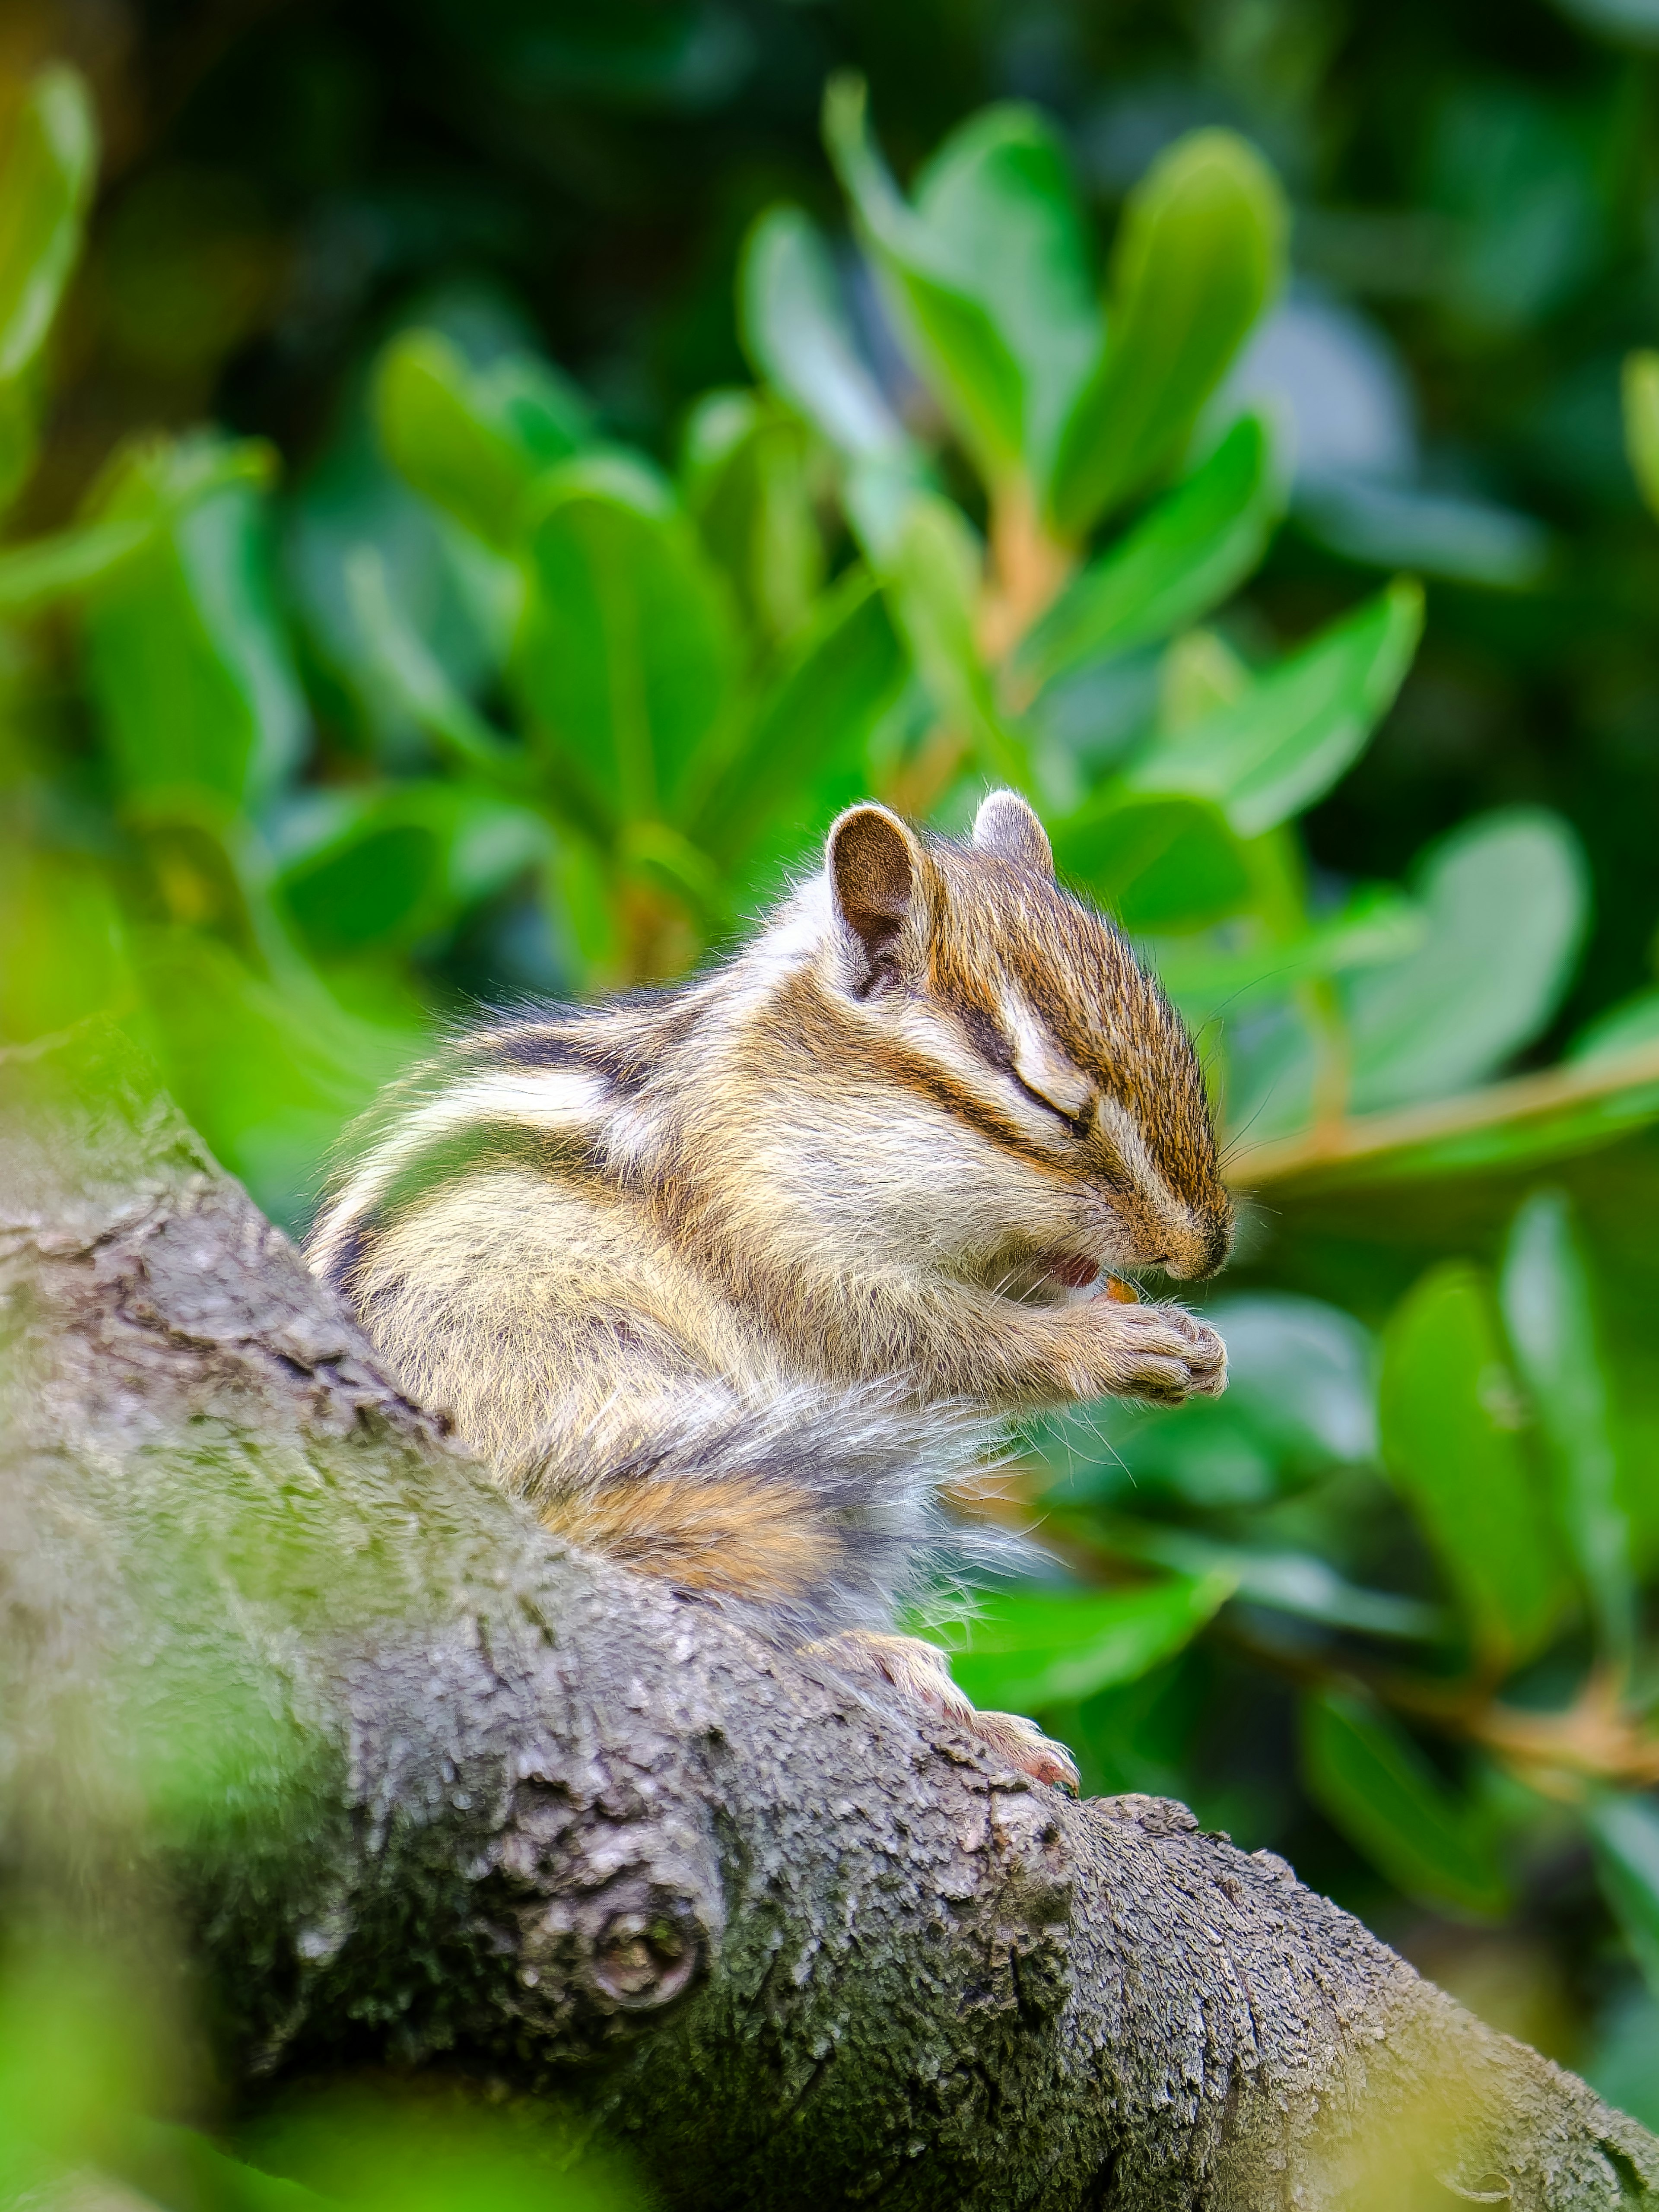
(921, 1673)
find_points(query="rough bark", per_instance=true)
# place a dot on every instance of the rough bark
(417, 1783)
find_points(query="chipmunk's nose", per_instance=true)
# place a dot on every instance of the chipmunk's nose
(1204, 1252)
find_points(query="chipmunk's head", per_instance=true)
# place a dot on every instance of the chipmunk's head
(1029, 1014)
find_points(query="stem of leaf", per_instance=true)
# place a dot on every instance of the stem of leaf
(1026, 571)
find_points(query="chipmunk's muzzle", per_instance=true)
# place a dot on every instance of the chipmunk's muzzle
(1192, 1258)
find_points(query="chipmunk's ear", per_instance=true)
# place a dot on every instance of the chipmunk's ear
(874, 865)
(1007, 827)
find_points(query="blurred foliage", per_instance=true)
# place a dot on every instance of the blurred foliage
(89, 2058)
(634, 437)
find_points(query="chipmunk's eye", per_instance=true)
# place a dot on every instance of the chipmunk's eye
(1078, 1119)
(1043, 1071)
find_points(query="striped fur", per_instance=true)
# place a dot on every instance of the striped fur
(857, 1179)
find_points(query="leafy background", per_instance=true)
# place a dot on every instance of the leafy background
(485, 485)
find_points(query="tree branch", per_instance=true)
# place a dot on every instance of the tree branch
(417, 1780)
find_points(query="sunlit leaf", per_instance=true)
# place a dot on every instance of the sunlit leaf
(1181, 558)
(46, 178)
(1159, 864)
(62, 943)
(1451, 1418)
(627, 658)
(1548, 1309)
(1297, 728)
(1641, 392)
(1625, 1834)
(1505, 899)
(71, 2067)
(1374, 1784)
(1199, 254)
(474, 440)
(1027, 1648)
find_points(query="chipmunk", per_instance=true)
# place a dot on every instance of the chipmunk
(728, 1280)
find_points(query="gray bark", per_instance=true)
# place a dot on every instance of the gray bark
(419, 1784)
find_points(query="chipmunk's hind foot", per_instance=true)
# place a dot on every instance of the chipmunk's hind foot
(921, 1675)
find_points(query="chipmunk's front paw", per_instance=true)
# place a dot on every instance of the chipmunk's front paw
(1024, 1745)
(1162, 1353)
(921, 1675)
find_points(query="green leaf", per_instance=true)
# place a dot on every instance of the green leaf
(1159, 864)
(63, 949)
(1297, 1582)
(176, 2165)
(1301, 1398)
(1199, 675)
(1548, 1309)
(932, 583)
(398, 864)
(474, 440)
(797, 335)
(189, 663)
(1287, 740)
(1506, 898)
(1375, 927)
(998, 206)
(1451, 1418)
(1199, 254)
(375, 2150)
(1028, 1649)
(1641, 394)
(49, 570)
(1380, 1790)
(1183, 557)
(964, 356)
(626, 660)
(748, 473)
(845, 672)
(45, 182)
(1621, 1029)
(1625, 1834)
(269, 1072)
(413, 675)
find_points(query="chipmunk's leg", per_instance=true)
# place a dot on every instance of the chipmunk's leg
(921, 1673)
(960, 1340)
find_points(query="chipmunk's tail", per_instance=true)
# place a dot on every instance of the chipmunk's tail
(819, 1510)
